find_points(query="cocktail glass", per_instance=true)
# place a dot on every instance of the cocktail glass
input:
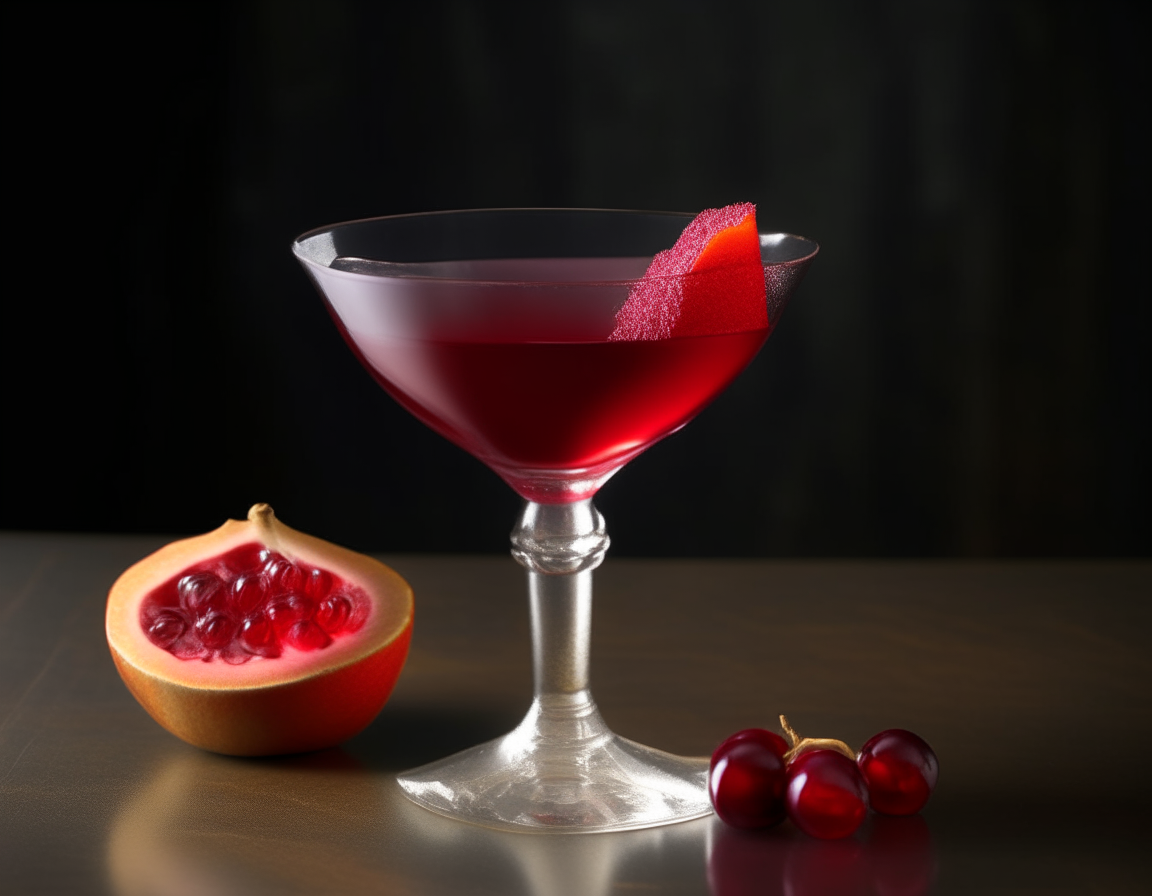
(493, 327)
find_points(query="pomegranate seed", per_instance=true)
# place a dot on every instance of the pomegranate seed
(333, 613)
(216, 630)
(249, 593)
(359, 615)
(199, 592)
(284, 575)
(287, 611)
(165, 627)
(307, 635)
(318, 584)
(258, 637)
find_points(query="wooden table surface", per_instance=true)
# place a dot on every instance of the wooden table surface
(1032, 680)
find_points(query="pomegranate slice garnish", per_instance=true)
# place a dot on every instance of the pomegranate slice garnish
(710, 282)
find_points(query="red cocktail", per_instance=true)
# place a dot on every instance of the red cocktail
(541, 395)
(501, 331)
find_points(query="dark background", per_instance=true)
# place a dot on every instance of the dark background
(963, 372)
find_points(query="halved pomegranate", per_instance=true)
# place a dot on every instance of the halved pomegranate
(256, 639)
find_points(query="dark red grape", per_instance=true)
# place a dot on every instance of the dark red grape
(747, 778)
(900, 770)
(826, 796)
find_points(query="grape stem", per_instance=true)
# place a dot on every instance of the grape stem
(806, 744)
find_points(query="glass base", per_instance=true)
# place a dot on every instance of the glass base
(563, 770)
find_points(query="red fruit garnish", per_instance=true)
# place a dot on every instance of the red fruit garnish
(826, 795)
(299, 641)
(747, 777)
(900, 770)
(723, 292)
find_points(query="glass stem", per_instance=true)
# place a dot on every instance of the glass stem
(560, 545)
(562, 768)
(561, 610)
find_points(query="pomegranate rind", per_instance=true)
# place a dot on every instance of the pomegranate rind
(300, 701)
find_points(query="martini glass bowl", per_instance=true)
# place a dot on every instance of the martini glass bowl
(495, 328)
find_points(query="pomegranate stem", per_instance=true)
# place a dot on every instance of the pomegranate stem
(264, 519)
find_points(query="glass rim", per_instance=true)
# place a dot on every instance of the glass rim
(808, 246)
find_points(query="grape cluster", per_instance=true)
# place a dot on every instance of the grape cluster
(250, 602)
(756, 780)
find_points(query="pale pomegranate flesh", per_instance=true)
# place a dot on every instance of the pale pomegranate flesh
(248, 603)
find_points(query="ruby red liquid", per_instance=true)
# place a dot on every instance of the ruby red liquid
(556, 418)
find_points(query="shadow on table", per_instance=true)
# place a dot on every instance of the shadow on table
(405, 737)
